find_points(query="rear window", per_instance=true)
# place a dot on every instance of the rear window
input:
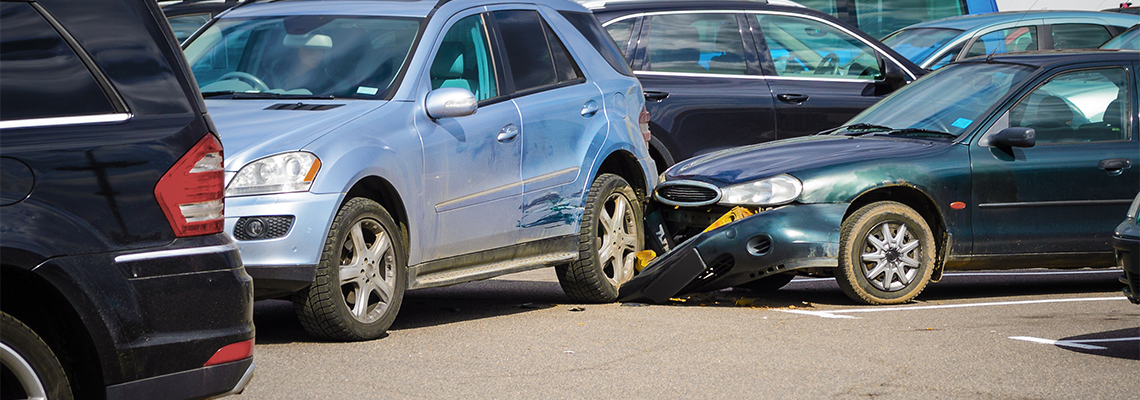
(593, 31)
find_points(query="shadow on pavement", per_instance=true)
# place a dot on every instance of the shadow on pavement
(1121, 343)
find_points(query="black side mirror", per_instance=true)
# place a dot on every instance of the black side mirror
(1013, 137)
(891, 77)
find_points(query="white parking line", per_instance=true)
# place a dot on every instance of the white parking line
(837, 313)
(1079, 344)
(1081, 272)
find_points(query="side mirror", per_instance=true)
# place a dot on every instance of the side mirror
(1013, 137)
(450, 103)
(891, 77)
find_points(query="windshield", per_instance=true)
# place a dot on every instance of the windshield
(1129, 40)
(919, 44)
(302, 56)
(948, 100)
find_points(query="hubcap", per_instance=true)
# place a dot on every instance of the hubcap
(890, 257)
(24, 372)
(617, 239)
(367, 271)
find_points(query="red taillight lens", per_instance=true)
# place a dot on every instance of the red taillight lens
(643, 122)
(191, 193)
(232, 352)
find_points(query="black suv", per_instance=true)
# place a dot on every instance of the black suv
(721, 74)
(117, 281)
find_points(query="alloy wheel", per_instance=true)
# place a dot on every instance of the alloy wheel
(617, 239)
(890, 256)
(367, 271)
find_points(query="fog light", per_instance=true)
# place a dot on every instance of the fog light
(255, 228)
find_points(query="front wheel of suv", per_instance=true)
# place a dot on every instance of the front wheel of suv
(609, 237)
(360, 280)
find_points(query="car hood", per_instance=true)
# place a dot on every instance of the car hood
(252, 129)
(749, 163)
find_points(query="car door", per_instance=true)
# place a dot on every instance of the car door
(561, 114)
(821, 75)
(471, 163)
(1065, 193)
(703, 86)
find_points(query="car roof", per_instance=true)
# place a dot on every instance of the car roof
(1051, 58)
(666, 5)
(975, 21)
(394, 8)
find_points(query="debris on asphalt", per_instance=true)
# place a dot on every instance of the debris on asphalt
(577, 309)
(634, 304)
(571, 352)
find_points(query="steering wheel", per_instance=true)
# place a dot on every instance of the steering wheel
(252, 80)
(828, 64)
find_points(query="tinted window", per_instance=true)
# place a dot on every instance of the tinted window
(701, 43)
(1129, 40)
(880, 17)
(589, 27)
(1079, 36)
(185, 25)
(1005, 41)
(621, 31)
(564, 65)
(524, 41)
(809, 48)
(463, 59)
(920, 43)
(1081, 106)
(946, 58)
(43, 77)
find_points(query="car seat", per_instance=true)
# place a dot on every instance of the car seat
(448, 67)
(729, 45)
(1110, 128)
(1053, 120)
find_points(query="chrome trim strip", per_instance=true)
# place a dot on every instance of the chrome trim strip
(699, 184)
(802, 78)
(469, 200)
(61, 121)
(567, 175)
(1055, 203)
(221, 248)
(698, 75)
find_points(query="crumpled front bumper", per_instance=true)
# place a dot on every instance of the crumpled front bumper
(775, 241)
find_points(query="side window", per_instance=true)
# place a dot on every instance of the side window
(621, 31)
(946, 58)
(809, 48)
(700, 43)
(524, 40)
(1076, 107)
(564, 64)
(589, 27)
(881, 17)
(1079, 36)
(185, 25)
(43, 76)
(463, 59)
(1010, 40)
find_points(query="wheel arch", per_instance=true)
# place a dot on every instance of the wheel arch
(624, 164)
(383, 192)
(918, 200)
(41, 305)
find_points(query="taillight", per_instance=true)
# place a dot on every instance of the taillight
(643, 122)
(191, 193)
(232, 352)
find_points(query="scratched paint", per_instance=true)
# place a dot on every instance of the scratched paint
(551, 210)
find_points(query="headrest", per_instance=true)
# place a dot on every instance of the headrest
(310, 40)
(448, 62)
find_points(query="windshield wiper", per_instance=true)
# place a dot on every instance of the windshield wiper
(858, 129)
(216, 94)
(264, 95)
(921, 131)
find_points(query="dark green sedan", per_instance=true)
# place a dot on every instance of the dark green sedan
(1015, 161)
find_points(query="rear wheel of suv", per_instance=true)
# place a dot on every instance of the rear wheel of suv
(359, 283)
(31, 369)
(610, 236)
(886, 254)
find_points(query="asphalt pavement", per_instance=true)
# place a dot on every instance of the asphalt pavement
(1027, 334)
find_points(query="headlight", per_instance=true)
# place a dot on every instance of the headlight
(779, 189)
(282, 173)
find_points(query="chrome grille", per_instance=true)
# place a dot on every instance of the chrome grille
(687, 193)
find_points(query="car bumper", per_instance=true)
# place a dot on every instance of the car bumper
(213, 381)
(282, 265)
(1128, 259)
(775, 241)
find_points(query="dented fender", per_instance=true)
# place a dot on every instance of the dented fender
(783, 239)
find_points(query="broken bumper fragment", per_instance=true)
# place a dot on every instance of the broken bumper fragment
(775, 241)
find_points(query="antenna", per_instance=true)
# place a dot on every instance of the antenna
(990, 57)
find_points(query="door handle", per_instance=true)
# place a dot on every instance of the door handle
(589, 109)
(1114, 166)
(792, 98)
(508, 133)
(655, 96)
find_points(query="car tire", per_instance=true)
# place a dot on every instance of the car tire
(768, 284)
(31, 369)
(356, 295)
(606, 251)
(886, 254)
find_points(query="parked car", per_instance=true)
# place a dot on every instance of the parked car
(730, 73)
(1020, 161)
(1125, 8)
(1129, 40)
(1126, 240)
(880, 17)
(117, 281)
(934, 44)
(375, 147)
(186, 16)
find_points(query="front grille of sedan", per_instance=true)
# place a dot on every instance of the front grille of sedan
(687, 193)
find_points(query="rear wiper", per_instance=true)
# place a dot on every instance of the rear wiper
(921, 131)
(858, 129)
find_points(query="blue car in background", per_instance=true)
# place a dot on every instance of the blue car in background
(934, 44)
(374, 147)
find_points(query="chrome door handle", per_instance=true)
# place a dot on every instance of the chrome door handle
(589, 109)
(508, 133)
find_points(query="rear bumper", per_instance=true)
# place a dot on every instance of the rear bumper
(213, 381)
(775, 241)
